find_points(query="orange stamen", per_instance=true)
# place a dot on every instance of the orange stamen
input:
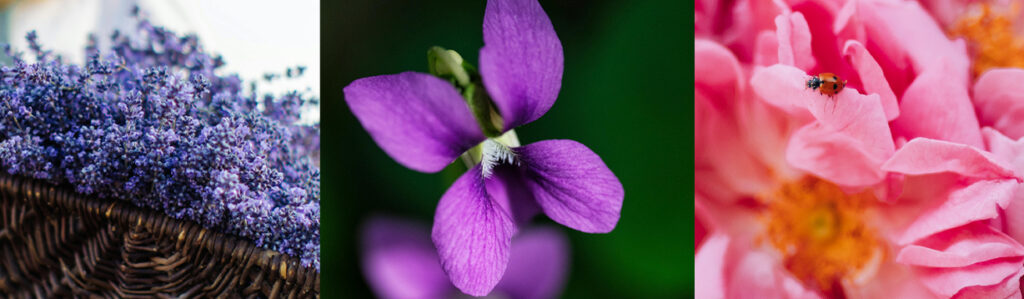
(991, 38)
(821, 231)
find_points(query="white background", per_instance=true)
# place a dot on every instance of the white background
(254, 37)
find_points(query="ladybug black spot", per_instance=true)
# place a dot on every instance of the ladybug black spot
(835, 86)
(814, 83)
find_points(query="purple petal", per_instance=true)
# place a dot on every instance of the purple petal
(538, 265)
(472, 234)
(419, 120)
(521, 61)
(572, 185)
(399, 261)
(509, 190)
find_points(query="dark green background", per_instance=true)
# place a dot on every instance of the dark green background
(623, 95)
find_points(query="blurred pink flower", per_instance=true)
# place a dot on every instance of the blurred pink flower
(802, 195)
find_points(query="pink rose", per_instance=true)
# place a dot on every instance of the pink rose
(887, 189)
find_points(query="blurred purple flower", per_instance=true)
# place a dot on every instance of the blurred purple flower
(424, 123)
(400, 262)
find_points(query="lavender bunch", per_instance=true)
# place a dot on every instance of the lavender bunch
(151, 122)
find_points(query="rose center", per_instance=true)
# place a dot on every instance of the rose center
(821, 232)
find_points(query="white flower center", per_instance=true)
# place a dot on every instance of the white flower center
(494, 153)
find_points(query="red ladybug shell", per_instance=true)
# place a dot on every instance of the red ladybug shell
(827, 84)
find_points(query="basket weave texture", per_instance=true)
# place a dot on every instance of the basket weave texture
(55, 243)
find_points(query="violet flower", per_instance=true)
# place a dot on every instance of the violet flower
(425, 123)
(400, 262)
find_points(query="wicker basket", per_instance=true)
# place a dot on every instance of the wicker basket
(55, 243)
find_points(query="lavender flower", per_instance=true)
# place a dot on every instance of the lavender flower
(151, 122)
(425, 123)
(400, 262)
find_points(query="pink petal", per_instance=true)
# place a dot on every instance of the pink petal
(872, 77)
(891, 280)
(852, 130)
(999, 97)
(1012, 122)
(794, 37)
(707, 13)
(711, 167)
(727, 267)
(848, 25)
(834, 156)
(1013, 217)
(859, 116)
(765, 132)
(723, 179)
(974, 243)
(716, 98)
(766, 49)
(704, 118)
(747, 19)
(726, 217)
(919, 195)
(820, 16)
(700, 232)
(948, 282)
(1011, 152)
(737, 152)
(710, 263)
(472, 234)
(784, 87)
(928, 156)
(936, 105)
(978, 201)
(905, 27)
(1008, 288)
(721, 78)
(905, 40)
(759, 275)
(891, 188)
(826, 10)
(947, 12)
(1005, 150)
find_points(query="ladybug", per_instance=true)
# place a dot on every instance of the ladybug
(827, 84)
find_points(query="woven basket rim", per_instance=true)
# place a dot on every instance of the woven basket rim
(128, 215)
